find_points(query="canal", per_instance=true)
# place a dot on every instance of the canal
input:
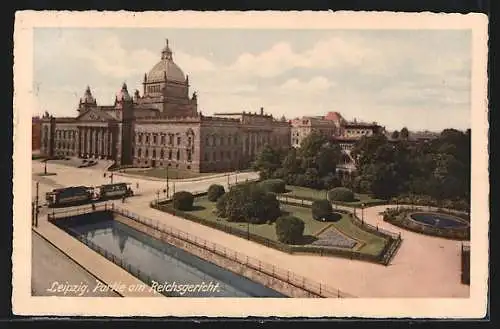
(172, 269)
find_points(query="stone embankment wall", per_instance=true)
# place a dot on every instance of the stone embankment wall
(224, 262)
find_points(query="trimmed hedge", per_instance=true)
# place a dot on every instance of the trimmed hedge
(215, 191)
(291, 249)
(183, 200)
(273, 185)
(289, 229)
(341, 194)
(321, 209)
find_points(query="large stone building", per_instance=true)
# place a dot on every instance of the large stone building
(36, 128)
(163, 127)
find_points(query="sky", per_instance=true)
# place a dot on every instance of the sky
(419, 79)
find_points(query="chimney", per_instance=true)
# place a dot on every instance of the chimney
(261, 111)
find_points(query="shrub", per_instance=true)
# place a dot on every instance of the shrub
(273, 185)
(183, 200)
(341, 194)
(252, 204)
(221, 206)
(215, 191)
(330, 181)
(321, 209)
(289, 229)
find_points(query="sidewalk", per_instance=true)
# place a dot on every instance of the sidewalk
(100, 267)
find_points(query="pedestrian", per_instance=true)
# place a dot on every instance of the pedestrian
(93, 206)
(104, 175)
(136, 186)
(123, 199)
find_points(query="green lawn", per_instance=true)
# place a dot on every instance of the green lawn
(309, 193)
(373, 243)
(173, 173)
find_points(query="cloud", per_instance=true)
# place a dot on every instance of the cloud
(391, 78)
(314, 85)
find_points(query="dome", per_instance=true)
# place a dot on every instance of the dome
(166, 68)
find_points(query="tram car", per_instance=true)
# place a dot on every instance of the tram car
(68, 196)
(114, 191)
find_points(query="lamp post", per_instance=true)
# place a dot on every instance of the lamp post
(362, 213)
(248, 230)
(45, 167)
(168, 185)
(111, 178)
(36, 204)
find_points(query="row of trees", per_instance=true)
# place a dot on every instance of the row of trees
(312, 165)
(439, 168)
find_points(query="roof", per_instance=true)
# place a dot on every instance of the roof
(166, 67)
(334, 116)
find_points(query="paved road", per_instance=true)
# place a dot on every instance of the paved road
(52, 270)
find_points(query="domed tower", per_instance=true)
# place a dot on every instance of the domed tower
(87, 101)
(166, 88)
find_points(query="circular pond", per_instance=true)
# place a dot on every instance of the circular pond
(438, 220)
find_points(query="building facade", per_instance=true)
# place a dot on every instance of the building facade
(161, 128)
(329, 125)
(36, 132)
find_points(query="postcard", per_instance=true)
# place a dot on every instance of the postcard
(234, 164)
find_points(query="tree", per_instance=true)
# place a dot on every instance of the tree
(321, 209)
(341, 194)
(395, 134)
(327, 159)
(289, 229)
(250, 203)
(273, 185)
(215, 191)
(267, 162)
(183, 200)
(404, 134)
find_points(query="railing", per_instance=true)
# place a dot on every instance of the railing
(308, 285)
(301, 282)
(135, 271)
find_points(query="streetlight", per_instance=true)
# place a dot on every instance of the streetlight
(168, 185)
(45, 167)
(36, 205)
(362, 213)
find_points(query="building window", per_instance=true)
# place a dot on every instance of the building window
(222, 141)
(189, 141)
(154, 139)
(214, 156)
(228, 155)
(147, 153)
(139, 153)
(171, 139)
(170, 154)
(207, 141)
(178, 155)
(154, 154)
(162, 154)
(178, 140)
(205, 158)
(188, 155)
(162, 139)
(222, 155)
(147, 138)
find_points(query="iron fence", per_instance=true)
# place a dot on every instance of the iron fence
(301, 282)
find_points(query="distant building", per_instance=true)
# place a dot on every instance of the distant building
(356, 130)
(162, 128)
(36, 132)
(329, 125)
